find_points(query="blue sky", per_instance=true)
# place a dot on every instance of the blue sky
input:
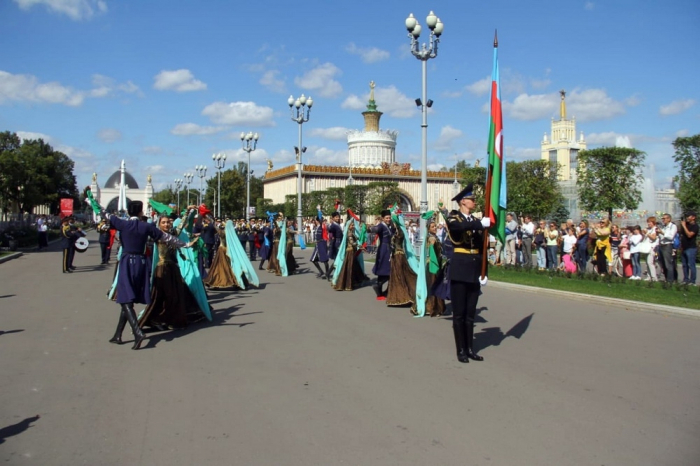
(165, 84)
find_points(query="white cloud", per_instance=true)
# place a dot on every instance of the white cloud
(337, 133)
(321, 80)
(367, 54)
(152, 150)
(448, 135)
(586, 105)
(270, 79)
(540, 84)
(27, 88)
(109, 135)
(23, 87)
(181, 80)
(633, 101)
(189, 129)
(589, 6)
(676, 107)
(389, 100)
(623, 141)
(325, 156)
(75, 9)
(481, 87)
(682, 133)
(239, 113)
(85, 161)
(608, 138)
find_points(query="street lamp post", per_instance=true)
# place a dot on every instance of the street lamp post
(201, 173)
(300, 108)
(188, 180)
(249, 141)
(423, 53)
(219, 162)
(178, 185)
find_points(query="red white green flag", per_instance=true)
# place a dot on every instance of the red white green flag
(496, 173)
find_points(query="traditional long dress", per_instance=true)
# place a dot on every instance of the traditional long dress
(221, 274)
(402, 279)
(171, 299)
(289, 253)
(273, 265)
(351, 275)
(434, 306)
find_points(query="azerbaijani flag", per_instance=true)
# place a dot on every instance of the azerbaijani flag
(496, 172)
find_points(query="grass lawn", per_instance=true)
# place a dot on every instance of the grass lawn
(612, 287)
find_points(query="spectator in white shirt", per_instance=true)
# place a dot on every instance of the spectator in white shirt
(528, 232)
(651, 235)
(511, 237)
(668, 262)
(634, 240)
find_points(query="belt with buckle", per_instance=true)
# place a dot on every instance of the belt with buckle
(467, 251)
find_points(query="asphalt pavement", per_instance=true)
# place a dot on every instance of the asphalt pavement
(295, 373)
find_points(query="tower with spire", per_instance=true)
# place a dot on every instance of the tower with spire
(372, 146)
(561, 146)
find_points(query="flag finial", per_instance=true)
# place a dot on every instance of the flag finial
(495, 39)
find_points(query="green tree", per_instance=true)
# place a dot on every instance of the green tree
(380, 195)
(476, 176)
(233, 193)
(356, 198)
(166, 196)
(687, 159)
(559, 214)
(32, 173)
(610, 177)
(532, 188)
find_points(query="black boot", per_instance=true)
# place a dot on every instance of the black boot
(470, 343)
(329, 274)
(460, 342)
(117, 338)
(138, 334)
(318, 267)
(262, 261)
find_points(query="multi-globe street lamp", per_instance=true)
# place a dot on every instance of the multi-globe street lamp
(201, 173)
(423, 53)
(188, 181)
(178, 185)
(300, 108)
(249, 141)
(219, 162)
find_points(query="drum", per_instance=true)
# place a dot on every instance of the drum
(81, 244)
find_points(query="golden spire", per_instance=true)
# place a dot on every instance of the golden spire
(562, 106)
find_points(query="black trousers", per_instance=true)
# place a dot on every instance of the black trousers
(210, 253)
(465, 297)
(252, 250)
(68, 254)
(104, 247)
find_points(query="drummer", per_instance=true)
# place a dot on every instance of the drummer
(69, 235)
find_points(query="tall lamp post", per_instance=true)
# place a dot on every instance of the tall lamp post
(178, 185)
(249, 141)
(219, 162)
(188, 181)
(424, 52)
(300, 108)
(201, 173)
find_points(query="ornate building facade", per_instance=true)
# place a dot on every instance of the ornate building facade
(371, 158)
(108, 194)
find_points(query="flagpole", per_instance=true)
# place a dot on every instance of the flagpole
(489, 188)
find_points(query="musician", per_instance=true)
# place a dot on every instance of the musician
(68, 238)
(208, 235)
(251, 234)
(467, 234)
(320, 253)
(104, 239)
(134, 276)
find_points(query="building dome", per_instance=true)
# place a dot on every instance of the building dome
(114, 180)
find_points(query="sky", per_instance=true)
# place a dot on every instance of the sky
(166, 84)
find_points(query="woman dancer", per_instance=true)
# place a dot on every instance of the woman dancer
(171, 300)
(434, 306)
(274, 264)
(404, 265)
(348, 274)
(221, 273)
(289, 247)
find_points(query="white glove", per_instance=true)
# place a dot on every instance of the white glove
(483, 281)
(486, 222)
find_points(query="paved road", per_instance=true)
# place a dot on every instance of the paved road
(298, 374)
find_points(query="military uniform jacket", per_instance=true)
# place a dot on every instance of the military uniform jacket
(467, 235)
(68, 236)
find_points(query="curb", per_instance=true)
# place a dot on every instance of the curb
(621, 303)
(9, 257)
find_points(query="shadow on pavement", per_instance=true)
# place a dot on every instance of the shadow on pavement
(16, 429)
(6, 296)
(3, 332)
(493, 336)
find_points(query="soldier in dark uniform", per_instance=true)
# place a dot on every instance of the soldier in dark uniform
(208, 235)
(266, 239)
(467, 235)
(335, 235)
(384, 229)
